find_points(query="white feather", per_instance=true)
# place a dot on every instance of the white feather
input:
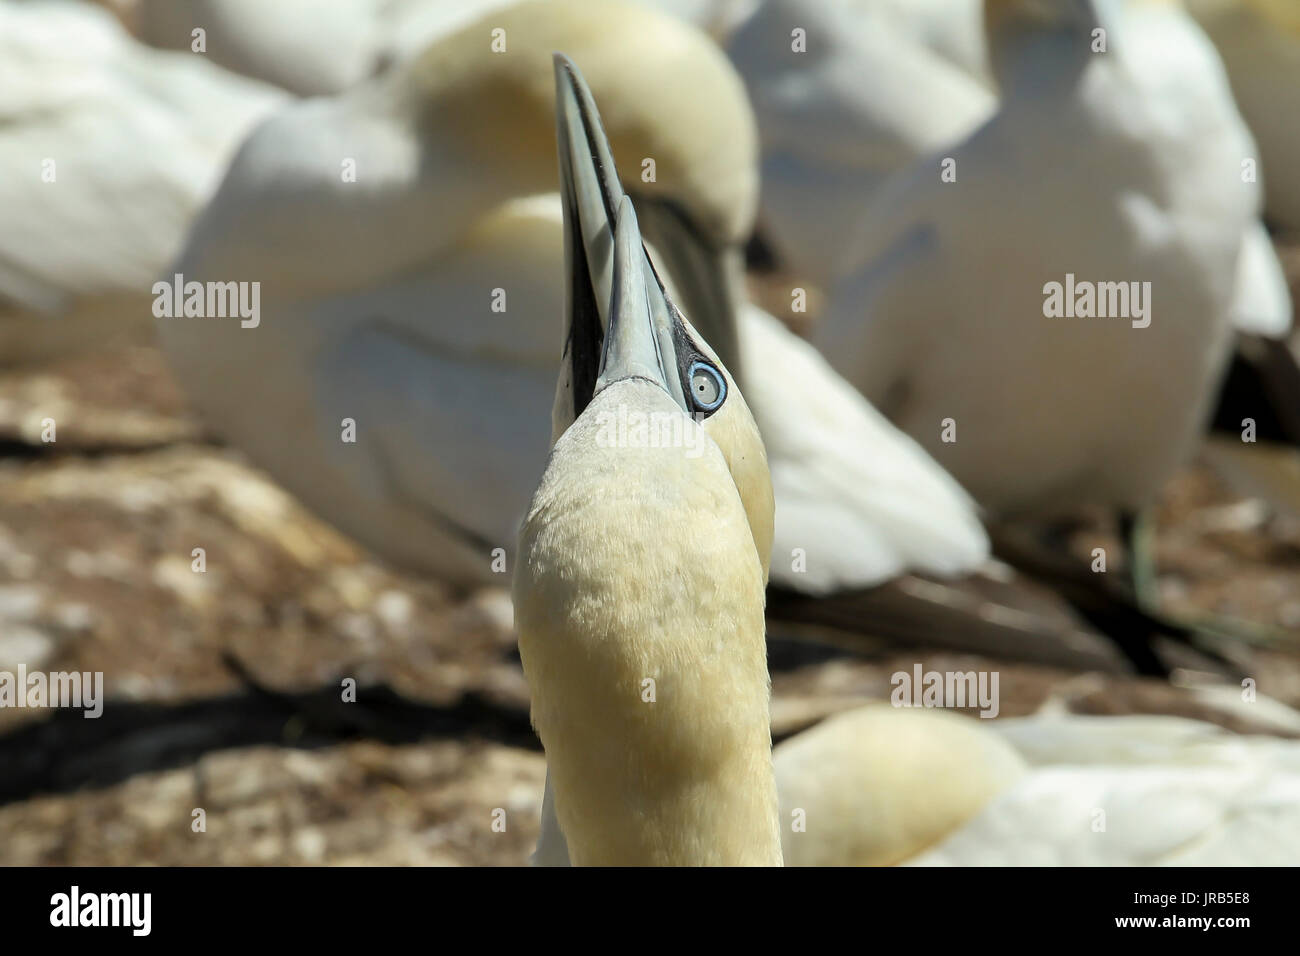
(861, 500)
(1262, 303)
(107, 150)
(319, 47)
(929, 788)
(1259, 41)
(1137, 791)
(831, 136)
(1129, 175)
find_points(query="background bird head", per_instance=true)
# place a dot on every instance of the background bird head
(674, 109)
(696, 368)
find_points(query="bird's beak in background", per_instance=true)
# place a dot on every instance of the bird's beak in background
(633, 343)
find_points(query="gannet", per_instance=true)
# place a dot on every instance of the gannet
(377, 300)
(831, 141)
(1115, 167)
(879, 785)
(859, 99)
(639, 597)
(108, 149)
(1259, 41)
(816, 122)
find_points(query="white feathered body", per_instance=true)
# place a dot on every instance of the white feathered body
(879, 785)
(1130, 174)
(107, 151)
(1137, 791)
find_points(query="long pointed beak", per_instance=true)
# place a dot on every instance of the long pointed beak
(633, 344)
(589, 180)
(590, 191)
(593, 201)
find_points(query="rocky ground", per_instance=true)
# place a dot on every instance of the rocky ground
(226, 739)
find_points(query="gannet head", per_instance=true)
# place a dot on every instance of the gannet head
(638, 591)
(675, 111)
(592, 194)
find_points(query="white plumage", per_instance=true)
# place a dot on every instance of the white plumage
(879, 785)
(320, 47)
(862, 100)
(305, 46)
(951, 28)
(1259, 41)
(1123, 166)
(1137, 791)
(1262, 299)
(861, 499)
(377, 301)
(107, 151)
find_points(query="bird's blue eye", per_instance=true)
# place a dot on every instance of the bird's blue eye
(708, 387)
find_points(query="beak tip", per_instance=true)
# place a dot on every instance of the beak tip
(625, 211)
(566, 72)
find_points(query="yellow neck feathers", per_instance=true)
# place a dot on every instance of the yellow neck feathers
(639, 604)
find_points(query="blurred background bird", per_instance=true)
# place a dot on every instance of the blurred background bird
(128, 144)
(1088, 92)
(385, 171)
(393, 312)
(881, 786)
